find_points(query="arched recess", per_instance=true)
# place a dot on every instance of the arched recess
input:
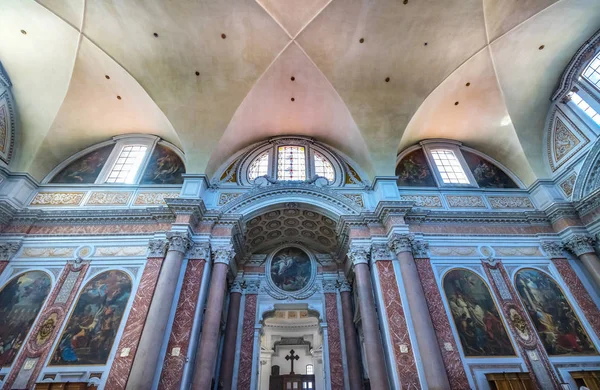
(8, 119)
(21, 300)
(94, 322)
(556, 322)
(478, 324)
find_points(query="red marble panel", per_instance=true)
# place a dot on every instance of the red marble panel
(336, 368)
(585, 302)
(100, 229)
(181, 331)
(121, 366)
(3, 265)
(452, 361)
(247, 347)
(405, 362)
(34, 348)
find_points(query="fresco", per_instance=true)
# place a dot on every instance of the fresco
(555, 320)
(86, 169)
(478, 324)
(414, 171)
(164, 167)
(20, 302)
(487, 174)
(291, 269)
(91, 330)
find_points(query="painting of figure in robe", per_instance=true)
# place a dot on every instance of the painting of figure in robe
(478, 324)
(414, 171)
(555, 320)
(164, 167)
(20, 302)
(487, 174)
(91, 330)
(291, 269)
(86, 169)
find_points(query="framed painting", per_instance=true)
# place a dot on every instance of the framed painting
(291, 269)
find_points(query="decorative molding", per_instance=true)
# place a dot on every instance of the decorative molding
(237, 286)
(453, 251)
(122, 251)
(500, 283)
(330, 286)
(470, 201)
(420, 249)
(157, 248)
(356, 198)
(359, 254)
(200, 250)
(223, 254)
(401, 243)
(8, 250)
(344, 285)
(8, 122)
(227, 197)
(429, 201)
(55, 199)
(564, 141)
(580, 244)
(567, 185)
(510, 202)
(252, 287)
(115, 198)
(179, 241)
(34, 252)
(515, 251)
(380, 252)
(153, 198)
(553, 249)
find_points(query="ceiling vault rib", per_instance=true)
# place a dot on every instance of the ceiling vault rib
(276, 20)
(311, 20)
(485, 24)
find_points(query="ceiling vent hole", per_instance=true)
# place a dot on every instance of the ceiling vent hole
(387, 79)
(293, 99)
(197, 73)
(425, 44)
(223, 36)
(155, 35)
(361, 40)
(456, 103)
(468, 84)
(118, 97)
(541, 47)
(107, 76)
(23, 32)
(292, 78)
(405, 1)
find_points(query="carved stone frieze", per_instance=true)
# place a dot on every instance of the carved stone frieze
(112, 198)
(553, 249)
(465, 201)
(8, 250)
(510, 202)
(153, 198)
(359, 254)
(57, 199)
(580, 244)
(179, 241)
(157, 248)
(429, 201)
(223, 254)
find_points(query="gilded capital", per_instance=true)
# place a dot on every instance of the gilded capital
(179, 241)
(223, 254)
(359, 254)
(580, 244)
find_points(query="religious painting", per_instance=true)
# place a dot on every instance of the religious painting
(91, 330)
(414, 171)
(478, 323)
(487, 175)
(291, 269)
(555, 320)
(20, 302)
(164, 167)
(84, 170)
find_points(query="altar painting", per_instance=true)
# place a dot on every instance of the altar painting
(164, 167)
(555, 320)
(478, 323)
(90, 332)
(291, 269)
(84, 170)
(20, 302)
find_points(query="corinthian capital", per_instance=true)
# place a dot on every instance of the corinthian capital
(179, 241)
(223, 254)
(359, 254)
(200, 250)
(401, 243)
(580, 244)
(157, 248)
(552, 249)
(8, 250)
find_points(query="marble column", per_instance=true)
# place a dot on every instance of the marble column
(233, 316)
(206, 355)
(582, 246)
(433, 365)
(352, 351)
(378, 377)
(147, 355)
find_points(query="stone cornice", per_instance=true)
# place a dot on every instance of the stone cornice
(558, 211)
(148, 215)
(590, 203)
(512, 217)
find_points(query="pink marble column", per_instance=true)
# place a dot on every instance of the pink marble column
(433, 364)
(373, 347)
(185, 314)
(583, 247)
(147, 355)
(350, 337)
(209, 339)
(229, 343)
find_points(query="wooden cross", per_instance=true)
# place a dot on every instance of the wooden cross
(292, 356)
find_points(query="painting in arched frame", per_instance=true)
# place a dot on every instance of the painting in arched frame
(92, 328)
(21, 300)
(479, 326)
(552, 315)
(291, 269)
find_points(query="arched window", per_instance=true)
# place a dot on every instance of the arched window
(309, 369)
(291, 163)
(323, 167)
(259, 167)
(89, 335)
(20, 302)
(592, 71)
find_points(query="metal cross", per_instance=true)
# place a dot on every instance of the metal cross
(292, 356)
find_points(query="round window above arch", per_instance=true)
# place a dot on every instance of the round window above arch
(290, 160)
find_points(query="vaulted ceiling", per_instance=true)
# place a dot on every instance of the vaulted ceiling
(371, 77)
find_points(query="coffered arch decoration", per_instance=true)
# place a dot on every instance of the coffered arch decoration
(588, 179)
(290, 159)
(129, 159)
(8, 118)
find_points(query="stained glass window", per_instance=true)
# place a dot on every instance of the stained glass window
(323, 167)
(259, 167)
(127, 165)
(291, 163)
(578, 100)
(592, 71)
(449, 167)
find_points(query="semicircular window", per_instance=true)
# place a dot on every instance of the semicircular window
(413, 171)
(555, 320)
(164, 167)
(84, 170)
(478, 323)
(20, 302)
(323, 167)
(487, 174)
(259, 167)
(90, 333)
